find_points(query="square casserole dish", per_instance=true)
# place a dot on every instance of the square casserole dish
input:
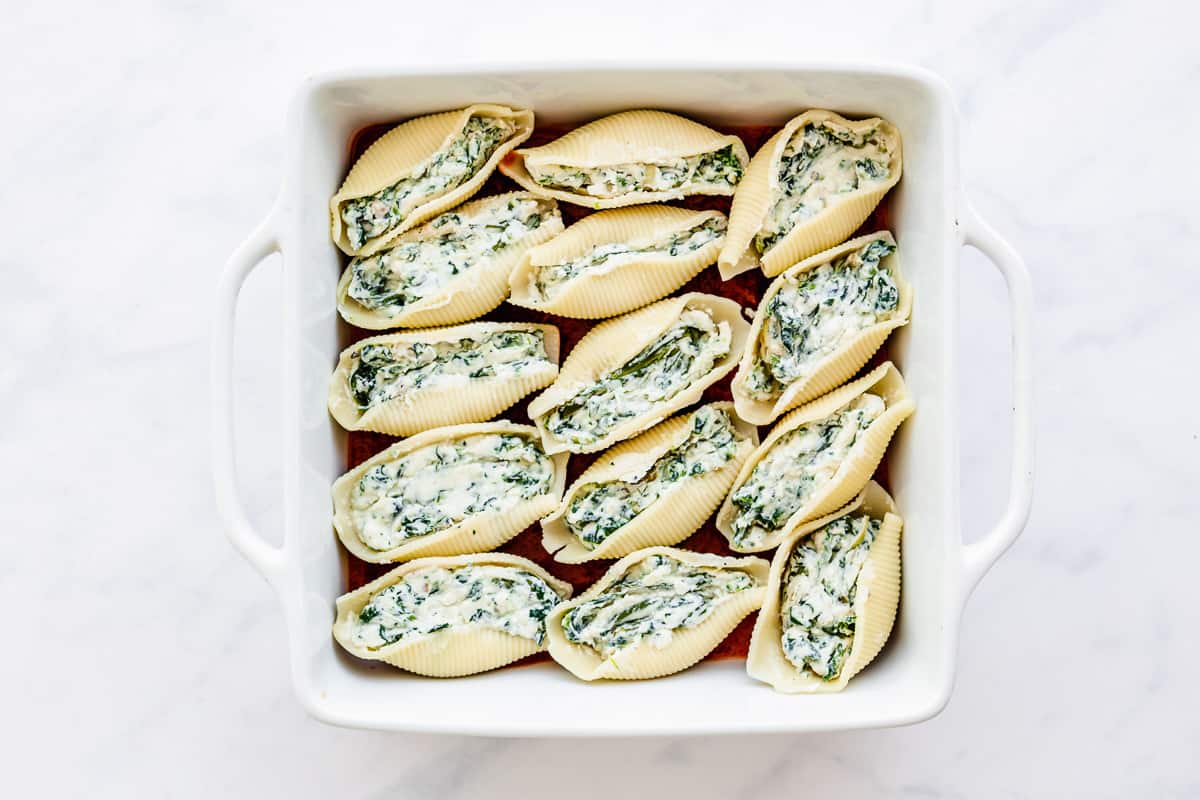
(912, 678)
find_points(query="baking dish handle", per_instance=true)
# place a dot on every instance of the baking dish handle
(978, 557)
(266, 558)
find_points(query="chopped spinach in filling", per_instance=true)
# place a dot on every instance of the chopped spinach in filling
(443, 484)
(453, 165)
(384, 372)
(719, 168)
(820, 161)
(816, 312)
(817, 597)
(800, 463)
(391, 281)
(551, 279)
(653, 599)
(679, 357)
(599, 509)
(490, 596)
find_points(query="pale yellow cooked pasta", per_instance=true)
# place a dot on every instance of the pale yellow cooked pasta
(405, 383)
(814, 460)
(831, 598)
(419, 169)
(450, 617)
(447, 491)
(808, 188)
(655, 489)
(629, 373)
(612, 262)
(640, 156)
(655, 612)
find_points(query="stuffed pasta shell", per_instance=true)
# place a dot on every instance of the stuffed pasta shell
(808, 188)
(814, 460)
(818, 323)
(449, 617)
(655, 612)
(419, 169)
(629, 373)
(404, 383)
(612, 262)
(447, 491)
(655, 489)
(831, 598)
(631, 157)
(453, 268)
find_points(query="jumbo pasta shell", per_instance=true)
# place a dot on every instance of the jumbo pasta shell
(759, 188)
(472, 293)
(854, 471)
(450, 653)
(453, 402)
(688, 645)
(614, 342)
(605, 290)
(875, 603)
(404, 149)
(674, 516)
(475, 534)
(630, 137)
(835, 368)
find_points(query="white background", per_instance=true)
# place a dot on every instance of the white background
(142, 657)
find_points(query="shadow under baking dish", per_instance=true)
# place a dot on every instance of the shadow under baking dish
(746, 289)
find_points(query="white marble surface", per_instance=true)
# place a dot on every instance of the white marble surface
(141, 141)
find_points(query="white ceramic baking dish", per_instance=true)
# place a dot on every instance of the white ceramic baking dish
(913, 677)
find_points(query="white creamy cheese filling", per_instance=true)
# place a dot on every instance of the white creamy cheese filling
(426, 601)
(799, 464)
(449, 245)
(550, 280)
(443, 484)
(384, 372)
(598, 510)
(820, 161)
(817, 312)
(682, 354)
(448, 168)
(817, 598)
(651, 601)
(720, 168)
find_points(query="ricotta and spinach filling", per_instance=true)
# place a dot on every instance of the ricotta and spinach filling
(598, 510)
(551, 279)
(391, 281)
(650, 602)
(820, 161)
(800, 463)
(488, 596)
(817, 596)
(455, 163)
(817, 312)
(681, 355)
(718, 169)
(383, 372)
(443, 484)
